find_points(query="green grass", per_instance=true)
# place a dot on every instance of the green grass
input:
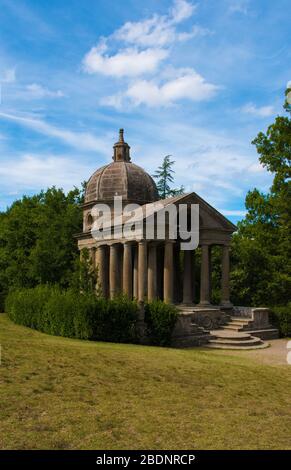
(58, 393)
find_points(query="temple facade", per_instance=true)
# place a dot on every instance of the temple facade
(144, 268)
(151, 264)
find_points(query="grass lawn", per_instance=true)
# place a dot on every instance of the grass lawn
(58, 393)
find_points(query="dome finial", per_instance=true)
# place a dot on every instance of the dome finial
(121, 149)
(121, 139)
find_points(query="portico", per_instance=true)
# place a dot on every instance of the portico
(155, 268)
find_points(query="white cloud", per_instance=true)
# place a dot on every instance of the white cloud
(160, 30)
(182, 10)
(143, 45)
(155, 31)
(8, 76)
(239, 6)
(263, 111)
(232, 212)
(79, 140)
(128, 63)
(31, 171)
(188, 84)
(38, 91)
(220, 166)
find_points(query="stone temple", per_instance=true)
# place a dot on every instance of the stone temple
(156, 268)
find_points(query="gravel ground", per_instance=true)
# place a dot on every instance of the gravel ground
(275, 355)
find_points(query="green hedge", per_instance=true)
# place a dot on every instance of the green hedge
(281, 318)
(72, 314)
(160, 319)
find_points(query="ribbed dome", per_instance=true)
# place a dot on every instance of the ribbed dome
(121, 178)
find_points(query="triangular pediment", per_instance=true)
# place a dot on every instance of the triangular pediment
(210, 218)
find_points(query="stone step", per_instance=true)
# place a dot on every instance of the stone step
(252, 341)
(232, 335)
(239, 323)
(226, 346)
(241, 319)
(232, 327)
(266, 333)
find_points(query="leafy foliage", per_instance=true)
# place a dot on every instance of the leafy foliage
(261, 253)
(84, 277)
(72, 314)
(281, 318)
(164, 177)
(160, 319)
(37, 243)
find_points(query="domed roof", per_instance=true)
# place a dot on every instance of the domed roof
(121, 178)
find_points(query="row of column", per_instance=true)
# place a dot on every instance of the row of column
(137, 277)
(205, 287)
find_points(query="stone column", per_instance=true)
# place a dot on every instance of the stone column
(114, 270)
(135, 273)
(142, 270)
(152, 273)
(188, 277)
(101, 262)
(225, 302)
(205, 276)
(92, 256)
(168, 271)
(127, 269)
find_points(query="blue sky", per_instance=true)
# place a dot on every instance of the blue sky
(195, 80)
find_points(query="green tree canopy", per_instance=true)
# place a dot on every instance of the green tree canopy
(164, 177)
(36, 239)
(261, 248)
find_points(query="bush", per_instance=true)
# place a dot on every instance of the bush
(281, 318)
(116, 320)
(26, 306)
(160, 319)
(73, 314)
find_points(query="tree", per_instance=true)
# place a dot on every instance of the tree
(37, 242)
(84, 277)
(261, 248)
(164, 177)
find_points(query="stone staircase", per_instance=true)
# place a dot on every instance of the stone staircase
(240, 324)
(231, 339)
(187, 333)
(213, 328)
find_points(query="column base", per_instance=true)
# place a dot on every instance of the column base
(205, 304)
(226, 305)
(187, 304)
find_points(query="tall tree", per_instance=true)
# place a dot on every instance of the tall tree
(261, 248)
(36, 239)
(164, 177)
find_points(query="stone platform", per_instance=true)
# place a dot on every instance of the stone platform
(216, 327)
(226, 339)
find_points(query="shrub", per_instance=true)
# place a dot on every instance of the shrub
(160, 319)
(26, 306)
(281, 318)
(73, 314)
(116, 319)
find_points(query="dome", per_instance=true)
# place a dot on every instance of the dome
(121, 178)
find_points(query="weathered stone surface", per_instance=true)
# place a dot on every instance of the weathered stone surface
(148, 267)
